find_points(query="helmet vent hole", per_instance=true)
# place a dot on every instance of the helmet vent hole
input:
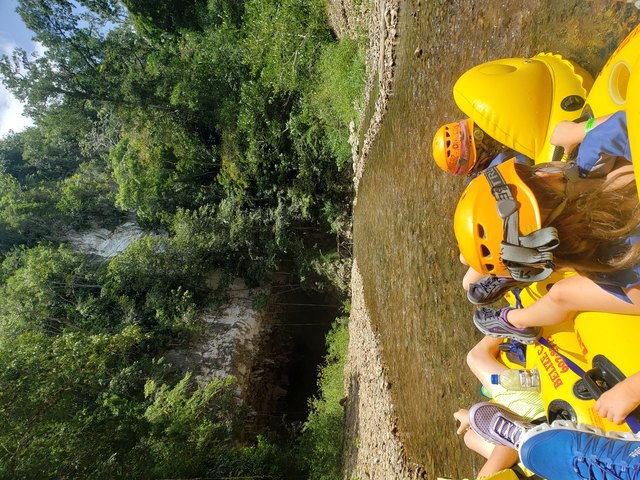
(481, 233)
(489, 267)
(485, 251)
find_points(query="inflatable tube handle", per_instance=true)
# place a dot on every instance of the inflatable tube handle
(633, 423)
(595, 390)
(558, 153)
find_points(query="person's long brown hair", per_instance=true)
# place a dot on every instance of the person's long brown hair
(594, 222)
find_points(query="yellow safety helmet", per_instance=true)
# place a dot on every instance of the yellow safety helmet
(454, 147)
(498, 227)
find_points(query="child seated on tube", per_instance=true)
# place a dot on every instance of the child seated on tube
(483, 362)
(461, 148)
(589, 225)
(560, 451)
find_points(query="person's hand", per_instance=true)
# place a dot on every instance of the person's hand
(462, 421)
(567, 135)
(616, 404)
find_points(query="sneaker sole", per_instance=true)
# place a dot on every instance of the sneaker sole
(494, 323)
(568, 425)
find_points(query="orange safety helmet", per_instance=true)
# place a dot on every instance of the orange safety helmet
(454, 147)
(481, 223)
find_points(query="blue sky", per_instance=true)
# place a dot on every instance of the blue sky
(13, 33)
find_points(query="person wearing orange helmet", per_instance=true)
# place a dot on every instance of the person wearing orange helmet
(461, 148)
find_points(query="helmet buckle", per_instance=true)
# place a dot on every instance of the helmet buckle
(506, 208)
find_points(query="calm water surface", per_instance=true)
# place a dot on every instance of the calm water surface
(404, 243)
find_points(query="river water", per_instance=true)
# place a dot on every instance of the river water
(403, 235)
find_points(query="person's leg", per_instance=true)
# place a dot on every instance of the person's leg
(567, 297)
(501, 457)
(483, 361)
(475, 442)
(498, 457)
(471, 276)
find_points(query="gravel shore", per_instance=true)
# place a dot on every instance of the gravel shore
(372, 447)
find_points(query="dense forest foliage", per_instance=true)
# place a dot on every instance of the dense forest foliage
(222, 124)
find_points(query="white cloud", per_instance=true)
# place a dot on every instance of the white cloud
(39, 49)
(11, 109)
(11, 117)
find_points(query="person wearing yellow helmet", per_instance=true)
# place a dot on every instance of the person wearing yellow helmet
(525, 222)
(598, 150)
(536, 220)
(461, 148)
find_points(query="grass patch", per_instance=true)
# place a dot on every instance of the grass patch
(322, 439)
(336, 98)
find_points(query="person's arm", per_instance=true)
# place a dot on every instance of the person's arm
(616, 404)
(607, 141)
(569, 134)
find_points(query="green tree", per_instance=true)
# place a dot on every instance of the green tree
(71, 66)
(27, 212)
(54, 290)
(65, 404)
(160, 165)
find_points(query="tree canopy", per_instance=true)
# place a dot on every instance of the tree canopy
(220, 126)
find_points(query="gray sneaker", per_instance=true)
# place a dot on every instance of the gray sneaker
(497, 424)
(491, 289)
(493, 323)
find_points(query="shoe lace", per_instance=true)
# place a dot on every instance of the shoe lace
(516, 348)
(507, 430)
(489, 284)
(605, 460)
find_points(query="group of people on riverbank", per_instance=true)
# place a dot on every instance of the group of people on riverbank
(517, 223)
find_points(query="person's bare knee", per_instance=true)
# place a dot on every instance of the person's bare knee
(483, 361)
(469, 440)
(486, 348)
(475, 354)
(475, 443)
(561, 292)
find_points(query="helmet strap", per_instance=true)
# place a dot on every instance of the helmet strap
(527, 258)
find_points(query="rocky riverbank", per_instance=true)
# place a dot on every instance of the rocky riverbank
(372, 447)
